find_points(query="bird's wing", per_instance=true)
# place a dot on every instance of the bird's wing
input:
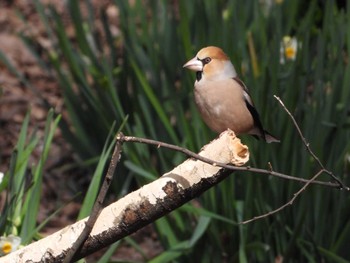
(250, 105)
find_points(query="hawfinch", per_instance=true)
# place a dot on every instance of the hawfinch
(222, 98)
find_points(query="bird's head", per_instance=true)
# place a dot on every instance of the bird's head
(211, 63)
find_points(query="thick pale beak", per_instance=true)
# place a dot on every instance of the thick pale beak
(194, 64)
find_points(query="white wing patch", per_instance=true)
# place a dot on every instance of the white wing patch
(247, 97)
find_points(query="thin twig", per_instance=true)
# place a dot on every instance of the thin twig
(312, 180)
(223, 165)
(290, 202)
(307, 145)
(98, 205)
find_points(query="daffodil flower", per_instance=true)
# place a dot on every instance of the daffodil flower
(288, 49)
(9, 244)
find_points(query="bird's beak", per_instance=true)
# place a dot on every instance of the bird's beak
(194, 64)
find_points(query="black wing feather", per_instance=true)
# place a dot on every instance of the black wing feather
(251, 108)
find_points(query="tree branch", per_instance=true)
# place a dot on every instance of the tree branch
(141, 207)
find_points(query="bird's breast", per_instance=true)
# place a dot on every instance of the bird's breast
(222, 106)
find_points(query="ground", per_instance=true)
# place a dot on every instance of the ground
(60, 183)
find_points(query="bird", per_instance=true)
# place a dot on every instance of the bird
(222, 98)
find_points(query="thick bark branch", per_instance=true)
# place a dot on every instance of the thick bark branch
(141, 207)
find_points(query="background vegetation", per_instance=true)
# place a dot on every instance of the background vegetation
(135, 78)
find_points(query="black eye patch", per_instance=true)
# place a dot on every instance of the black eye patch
(206, 60)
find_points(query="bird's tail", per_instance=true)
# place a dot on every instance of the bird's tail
(270, 138)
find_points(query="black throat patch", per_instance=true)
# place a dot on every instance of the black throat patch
(199, 75)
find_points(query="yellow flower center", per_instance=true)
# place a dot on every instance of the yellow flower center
(7, 247)
(290, 52)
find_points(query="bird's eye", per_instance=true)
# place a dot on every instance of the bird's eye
(206, 60)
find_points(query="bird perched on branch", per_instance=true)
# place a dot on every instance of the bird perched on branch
(222, 98)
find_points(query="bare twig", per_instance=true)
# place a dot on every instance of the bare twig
(226, 166)
(98, 205)
(307, 145)
(312, 180)
(290, 202)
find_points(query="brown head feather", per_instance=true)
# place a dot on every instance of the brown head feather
(213, 53)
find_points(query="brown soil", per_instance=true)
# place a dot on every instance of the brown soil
(61, 183)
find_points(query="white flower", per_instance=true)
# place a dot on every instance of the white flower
(1, 177)
(9, 244)
(288, 49)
